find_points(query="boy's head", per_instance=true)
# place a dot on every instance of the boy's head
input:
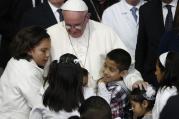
(95, 107)
(116, 64)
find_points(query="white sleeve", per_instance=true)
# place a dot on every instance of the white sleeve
(132, 76)
(103, 92)
(88, 92)
(30, 89)
(36, 113)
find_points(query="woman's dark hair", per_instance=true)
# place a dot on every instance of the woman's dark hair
(65, 84)
(120, 57)
(95, 107)
(171, 71)
(25, 40)
(138, 95)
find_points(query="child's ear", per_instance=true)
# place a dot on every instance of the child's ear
(145, 103)
(124, 73)
(29, 53)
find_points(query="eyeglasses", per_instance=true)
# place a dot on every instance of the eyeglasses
(78, 27)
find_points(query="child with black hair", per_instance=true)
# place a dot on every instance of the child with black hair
(142, 102)
(94, 107)
(112, 87)
(167, 68)
(22, 78)
(64, 92)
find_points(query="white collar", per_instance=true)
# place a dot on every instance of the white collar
(173, 3)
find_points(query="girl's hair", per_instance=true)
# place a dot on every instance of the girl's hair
(94, 107)
(170, 69)
(65, 84)
(120, 57)
(25, 40)
(85, 72)
(139, 96)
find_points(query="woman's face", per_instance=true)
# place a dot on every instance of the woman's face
(41, 52)
(159, 74)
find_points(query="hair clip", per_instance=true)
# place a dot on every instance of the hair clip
(163, 57)
(76, 61)
(150, 93)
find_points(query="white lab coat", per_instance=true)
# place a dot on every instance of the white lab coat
(101, 38)
(120, 19)
(19, 87)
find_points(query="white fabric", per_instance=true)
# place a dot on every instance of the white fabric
(120, 19)
(101, 40)
(161, 100)
(165, 11)
(45, 113)
(132, 76)
(103, 92)
(75, 5)
(88, 92)
(19, 87)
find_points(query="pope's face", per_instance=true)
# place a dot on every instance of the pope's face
(75, 22)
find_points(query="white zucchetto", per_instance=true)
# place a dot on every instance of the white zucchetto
(74, 5)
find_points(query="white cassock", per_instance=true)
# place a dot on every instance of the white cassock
(91, 48)
(119, 18)
(19, 88)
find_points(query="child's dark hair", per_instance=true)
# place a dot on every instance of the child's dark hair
(84, 71)
(120, 57)
(65, 84)
(94, 107)
(139, 96)
(25, 40)
(171, 69)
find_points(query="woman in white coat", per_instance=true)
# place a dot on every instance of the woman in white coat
(23, 76)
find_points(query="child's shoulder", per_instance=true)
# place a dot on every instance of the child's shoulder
(121, 87)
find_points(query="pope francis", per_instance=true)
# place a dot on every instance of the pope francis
(90, 41)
